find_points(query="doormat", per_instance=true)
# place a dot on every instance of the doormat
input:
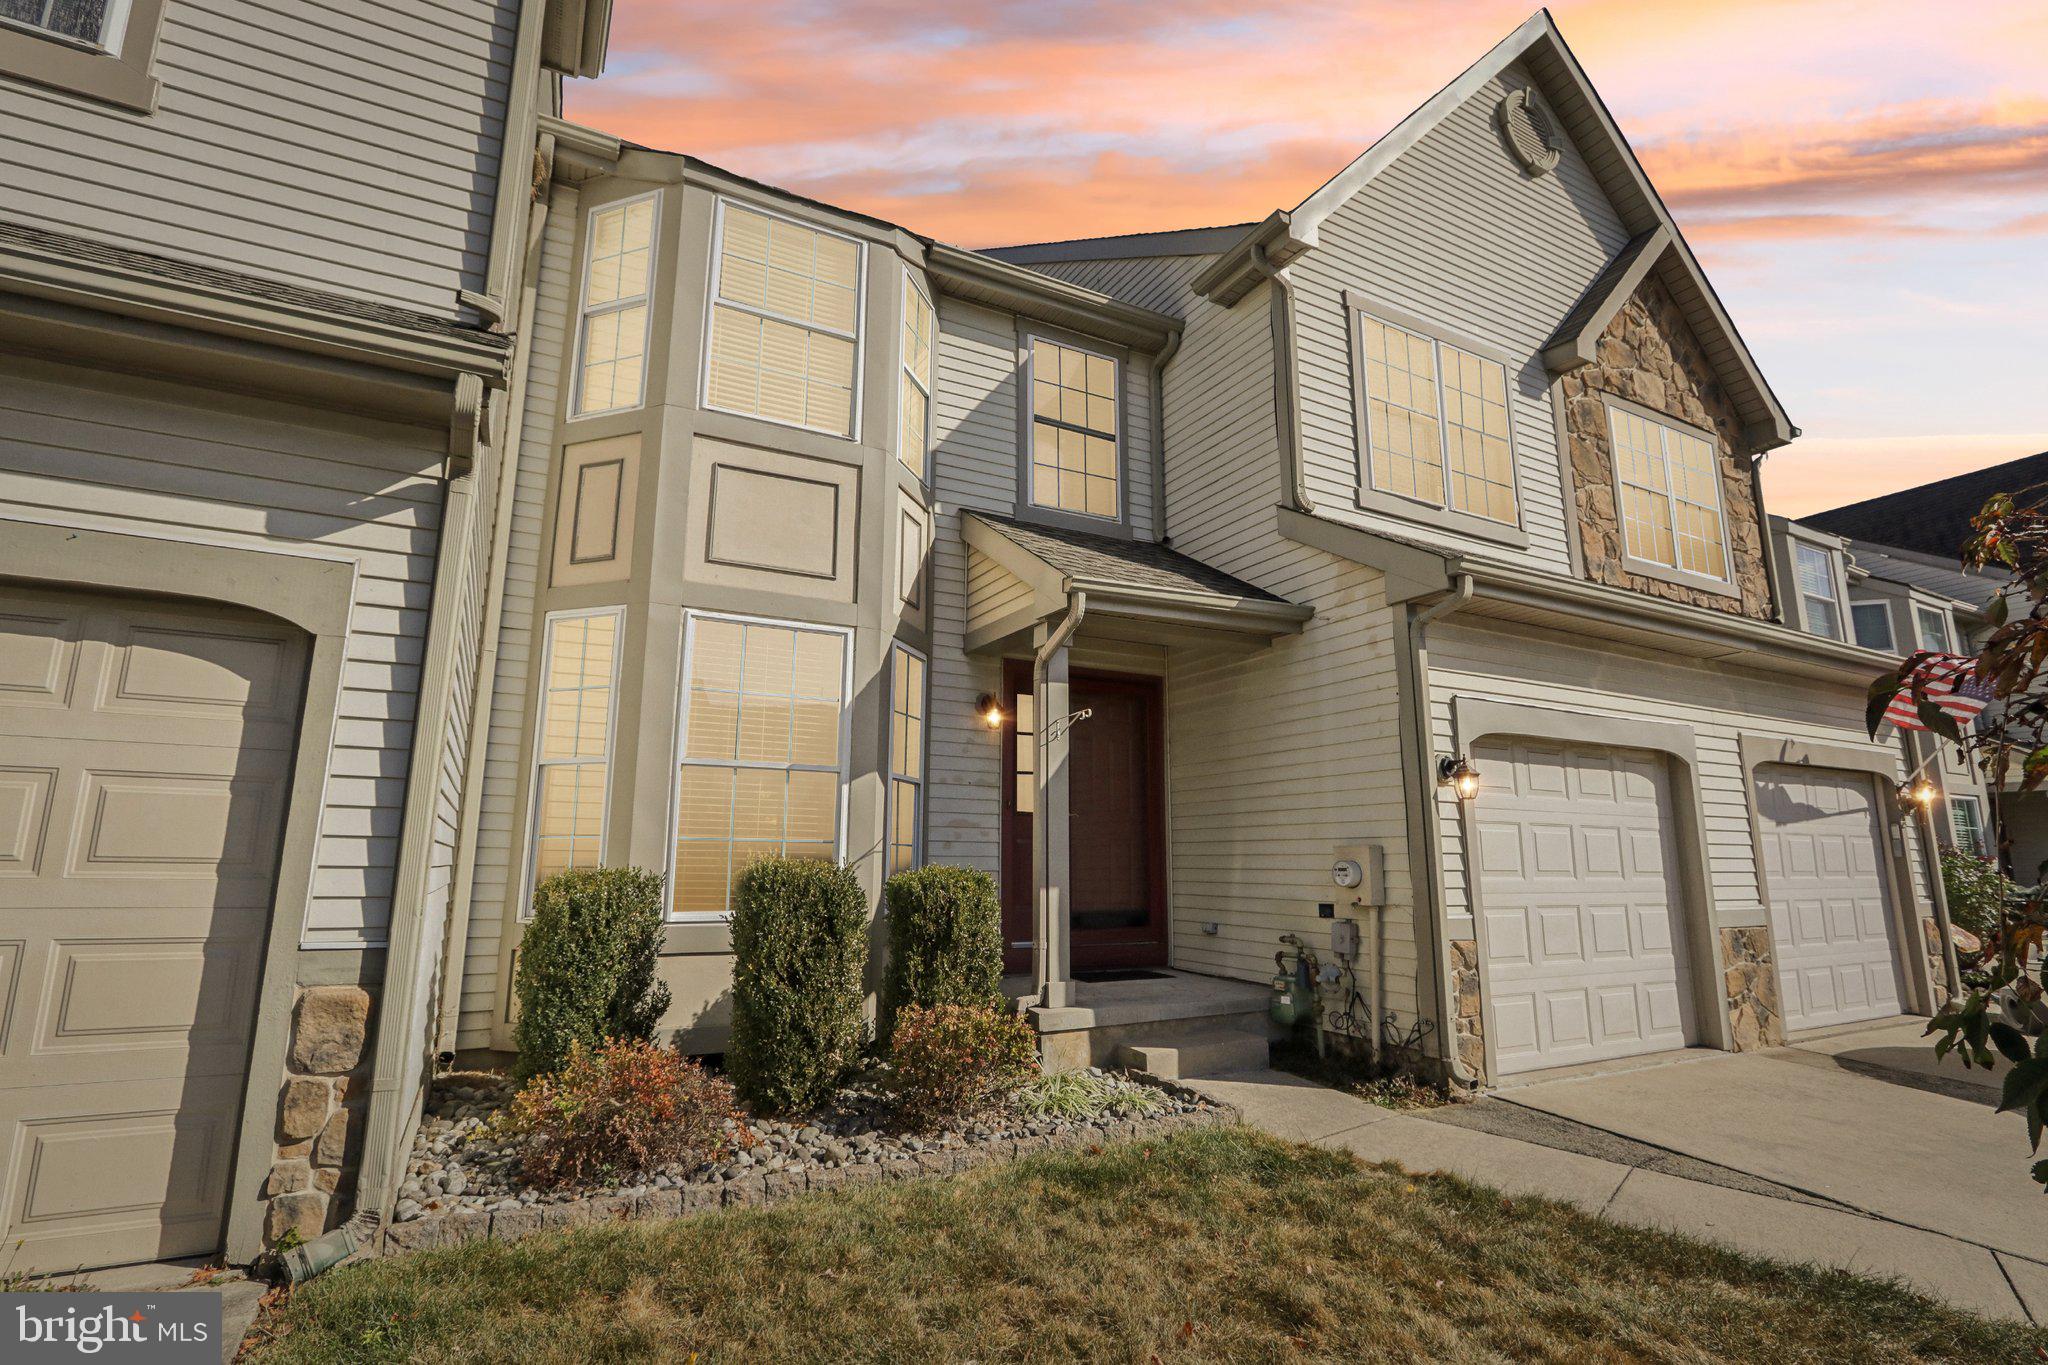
(1122, 974)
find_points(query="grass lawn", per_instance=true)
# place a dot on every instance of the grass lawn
(1214, 1245)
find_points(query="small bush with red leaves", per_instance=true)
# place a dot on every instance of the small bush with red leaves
(626, 1106)
(955, 1060)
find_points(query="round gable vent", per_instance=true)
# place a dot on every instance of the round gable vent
(1530, 134)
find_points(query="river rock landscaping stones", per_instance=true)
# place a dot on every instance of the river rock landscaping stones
(463, 1182)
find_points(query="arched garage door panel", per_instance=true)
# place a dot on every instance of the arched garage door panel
(1578, 877)
(1831, 919)
(145, 756)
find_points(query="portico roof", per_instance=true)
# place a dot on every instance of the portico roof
(1136, 580)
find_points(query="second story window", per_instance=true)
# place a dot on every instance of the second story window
(1436, 422)
(95, 22)
(785, 322)
(914, 440)
(1074, 455)
(1670, 495)
(1819, 603)
(1873, 622)
(611, 367)
(1966, 820)
(1931, 629)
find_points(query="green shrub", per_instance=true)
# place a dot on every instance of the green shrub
(799, 945)
(626, 1106)
(1977, 891)
(952, 1061)
(945, 941)
(586, 965)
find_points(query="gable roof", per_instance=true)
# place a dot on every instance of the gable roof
(1541, 50)
(1943, 579)
(1933, 519)
(1086, 557)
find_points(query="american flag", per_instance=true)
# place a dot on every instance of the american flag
(1950, 681)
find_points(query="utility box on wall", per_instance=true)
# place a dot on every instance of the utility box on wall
(1361, 869)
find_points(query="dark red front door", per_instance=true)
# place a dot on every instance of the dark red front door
(1116, 825)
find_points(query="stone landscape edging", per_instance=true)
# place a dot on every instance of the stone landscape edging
(461, 1226)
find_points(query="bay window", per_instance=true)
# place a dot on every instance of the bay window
(611, 346)
(914, 416)
(785, 321)
(573, 743)
(906, 759)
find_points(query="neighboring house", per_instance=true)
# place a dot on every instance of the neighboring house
(1910, 592)
(1167, 576)
(259, 274)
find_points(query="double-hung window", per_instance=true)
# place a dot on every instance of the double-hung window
(1075, 456)
(573, 746)
(1966, 821)
(101, 49)
(785, 321)
(763, 752)
(1873, 622)
(913, 442)
(95, 23)
(1931, 628)
(611, 368)
(1819, 602)
(1434, 422)
(1670, 493)
(906, 759)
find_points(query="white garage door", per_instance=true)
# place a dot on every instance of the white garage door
(1831, 921)
(1578, 883)
(144, 758)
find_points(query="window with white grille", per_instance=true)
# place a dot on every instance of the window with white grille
(785, 321)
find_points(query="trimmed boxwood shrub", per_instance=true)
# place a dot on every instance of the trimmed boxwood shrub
(945, 941)
(586, 965)
(799, 947)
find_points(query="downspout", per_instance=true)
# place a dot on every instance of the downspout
(1763, 526)
(455, 943)
(1286, 411)
(1432, 826)
(1166, 352)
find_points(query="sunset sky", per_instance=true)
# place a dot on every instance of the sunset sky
(1866, 183)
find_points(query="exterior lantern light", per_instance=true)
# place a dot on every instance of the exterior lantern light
(1457, 773)
(1917, 791)
(991, 710)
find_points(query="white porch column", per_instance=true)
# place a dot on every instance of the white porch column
(1052, 957)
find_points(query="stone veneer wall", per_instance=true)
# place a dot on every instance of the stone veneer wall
(1937, 961)
(1756, 1012)
(1648, 355)
(1468, 1032)
(321, 1112)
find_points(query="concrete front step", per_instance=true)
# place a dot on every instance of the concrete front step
(1182, 1050)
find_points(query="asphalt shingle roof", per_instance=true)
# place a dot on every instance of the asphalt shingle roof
(1935, 517)
(1111, 559)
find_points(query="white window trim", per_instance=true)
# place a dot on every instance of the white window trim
(1441, 515)
(1834, 570)
(677, 760)
(1650, 568)
(1941, 615)
(924, 759)
(584, 313)
(530, 835)
(910, 288)
(713, 302)
(1976, 809)
(1028, 405)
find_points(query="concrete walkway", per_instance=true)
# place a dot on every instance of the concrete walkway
(1856, 1150)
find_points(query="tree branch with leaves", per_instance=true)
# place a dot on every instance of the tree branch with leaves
(2009, 744)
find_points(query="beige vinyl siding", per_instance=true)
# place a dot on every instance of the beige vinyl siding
(1278, 758)
(167, 460)
(499, 820)
(993, 592)
(1222, 451)
(974, 465)
(345, 146)
(1452, 232)
(1534, 668)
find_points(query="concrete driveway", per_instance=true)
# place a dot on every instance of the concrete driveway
(1855, 1150)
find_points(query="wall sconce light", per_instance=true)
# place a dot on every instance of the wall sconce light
(1457, 773)
(1917, 791)
(991, 710)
